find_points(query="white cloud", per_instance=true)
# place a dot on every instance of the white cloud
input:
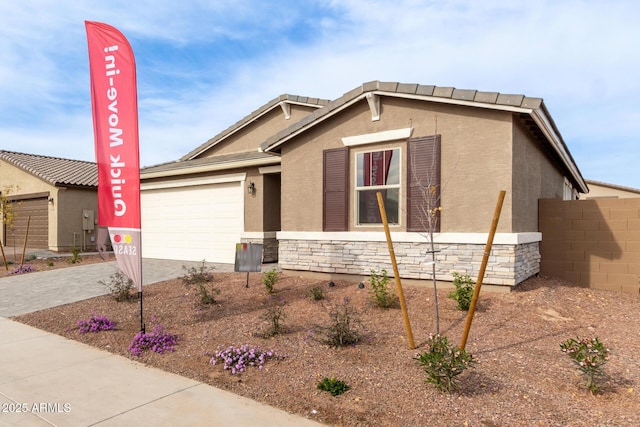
(204, 65)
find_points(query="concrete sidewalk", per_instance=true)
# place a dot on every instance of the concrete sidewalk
(48, 380)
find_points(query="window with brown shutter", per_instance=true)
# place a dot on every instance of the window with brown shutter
(377, 171)
(335, 185)
(423, 183)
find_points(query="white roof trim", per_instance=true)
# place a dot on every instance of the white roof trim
(210, 168)
(190, 182)
(370, 138)
(270, 169)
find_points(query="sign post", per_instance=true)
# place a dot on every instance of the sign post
(248, 258)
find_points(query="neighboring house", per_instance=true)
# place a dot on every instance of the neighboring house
(57, 197)
(319, 171)
(603, 190)
(222, 193)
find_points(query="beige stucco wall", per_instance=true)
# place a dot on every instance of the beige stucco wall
(597, 191)
(66, 222)
(14, 181)
(253, 203)
(534, 177)
(20, 181)
(65, 213)
(271, 202)
(251, 136)
(476, 161)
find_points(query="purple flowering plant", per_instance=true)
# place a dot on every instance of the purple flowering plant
(238, 359)
(95, 324)
(158, 340)
(24, 268)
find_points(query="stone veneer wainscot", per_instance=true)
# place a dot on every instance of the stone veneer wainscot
(514, 256)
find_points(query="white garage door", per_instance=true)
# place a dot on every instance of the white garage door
(192, 223)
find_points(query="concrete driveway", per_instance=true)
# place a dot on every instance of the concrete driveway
(25, 293)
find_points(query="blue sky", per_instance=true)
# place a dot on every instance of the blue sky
(203, 65)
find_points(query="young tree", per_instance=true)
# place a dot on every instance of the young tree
(425, 196)
(8, 213)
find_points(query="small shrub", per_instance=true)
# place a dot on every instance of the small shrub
(95, 324)
(269, 279)
(443, 363)
(200, 276)
(345, 327)
(120, 286)
(463, 293)
(75, 256)
(49, 263)
(317, 293)
(274, 315)
(24, 268)
(31, 257)
(333, 386)
(158, 340)
(589, 355)
(380, 293)
(238, 359)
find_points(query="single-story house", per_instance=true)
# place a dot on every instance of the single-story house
(605, 190)
(222, 193)
(56, 197)
(308, 171)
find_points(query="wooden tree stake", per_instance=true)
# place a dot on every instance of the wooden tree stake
(403, 305)
(483, 267)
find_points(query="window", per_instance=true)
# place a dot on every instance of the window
(378, 171)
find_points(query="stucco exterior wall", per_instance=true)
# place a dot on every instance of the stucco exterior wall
(253, 203)
(251, 136)
(20, 181)
(271, 202)
(534, 177)
(66, 220)
(476, 161)
(65, 211)
(600, 191)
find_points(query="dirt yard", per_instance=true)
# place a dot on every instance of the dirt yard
(521, 378)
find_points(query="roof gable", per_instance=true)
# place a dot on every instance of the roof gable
(54, 170)
(532, 108)
(282, 102)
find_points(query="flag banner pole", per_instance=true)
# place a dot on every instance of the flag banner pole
(114, 107)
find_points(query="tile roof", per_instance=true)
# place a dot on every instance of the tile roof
(54, 170)
(208, 164)
(274, 103)
(532, 111)
(434, 93)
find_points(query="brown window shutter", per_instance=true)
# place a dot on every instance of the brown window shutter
(423, 173)
(335, 185)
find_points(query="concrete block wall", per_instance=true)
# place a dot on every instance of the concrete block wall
(594, 243)
(509, 264)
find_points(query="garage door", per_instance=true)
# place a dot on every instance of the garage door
(38, 210)
(192, 223)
